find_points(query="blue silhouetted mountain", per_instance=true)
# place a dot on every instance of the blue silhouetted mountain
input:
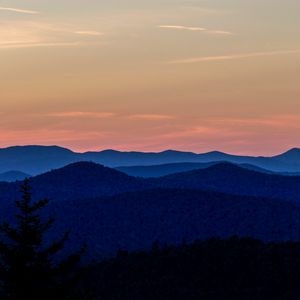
(118, 159)
(89, 180)
(35, 159)
(39, 159)
(111, 210)
(162, 170)
(84, 180)
(124, 159)
(292, 156)
(167, 169)
(77, 180)
(230, 178)
(114, 158)
(12, 176)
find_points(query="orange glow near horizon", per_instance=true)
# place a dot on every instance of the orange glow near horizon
(151, 76)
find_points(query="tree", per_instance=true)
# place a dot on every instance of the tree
(27, 267)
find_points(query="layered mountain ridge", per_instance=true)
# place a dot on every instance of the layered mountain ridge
(39, 159)
(110, 210)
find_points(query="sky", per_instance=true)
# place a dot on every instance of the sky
(192, 75)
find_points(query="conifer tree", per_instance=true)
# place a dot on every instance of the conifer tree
(28, 270)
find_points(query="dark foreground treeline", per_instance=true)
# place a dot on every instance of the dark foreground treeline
(34, 268)
(237, 268)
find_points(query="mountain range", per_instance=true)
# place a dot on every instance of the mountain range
(85, 180)
(111, 210)
(39, 159)
(168, 169)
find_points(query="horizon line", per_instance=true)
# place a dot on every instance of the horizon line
(146, 152)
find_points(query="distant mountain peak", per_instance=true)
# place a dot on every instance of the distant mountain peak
(82, 165)
(109, 151)
(85, 169)
(36, 148)
(292, 154)
(216, 152)
(171, 151)
(294, 150)
(215, 155)
(225, 166)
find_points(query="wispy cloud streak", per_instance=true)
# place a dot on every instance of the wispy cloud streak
(182, 27)
(87, 114)
(19, 10)
(201, 29)
(91, 33)
(82, 114)
(151, 117)
(232, 56)
(38, 45)
(18, 35)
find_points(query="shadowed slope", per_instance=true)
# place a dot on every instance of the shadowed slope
(84, 180)
(137, 219)
(77, 180)
(168, 169)
(87, 180)
(233, 179)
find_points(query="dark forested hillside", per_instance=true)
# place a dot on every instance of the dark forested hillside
(88, 180)
(168, 169)
(163, 170)
(135, 220)
(180, 206)
(229, 178)
(85, 180)
(113, 212)
(234, 269)
(77, 180)
(132, 221)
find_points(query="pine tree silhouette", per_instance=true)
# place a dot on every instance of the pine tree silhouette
(27, 267)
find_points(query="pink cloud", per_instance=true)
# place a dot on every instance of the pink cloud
(233, 56)
(151, 117)
(83, 114)
(254, 136)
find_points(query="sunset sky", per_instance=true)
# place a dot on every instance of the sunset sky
(195, 75)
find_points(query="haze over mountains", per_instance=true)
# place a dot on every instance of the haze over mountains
(12, 176)
(39, 159)
(168, 169)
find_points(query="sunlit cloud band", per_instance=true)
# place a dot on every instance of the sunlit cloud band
(201, 29)
(232, 56)
(19, 10)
